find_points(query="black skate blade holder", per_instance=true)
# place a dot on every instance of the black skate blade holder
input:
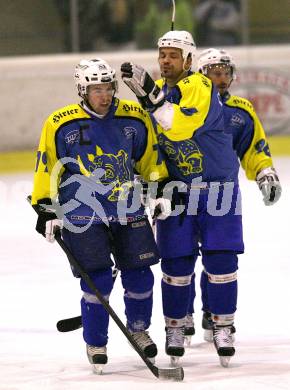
(175, 373)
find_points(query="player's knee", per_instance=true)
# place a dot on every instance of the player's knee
(92, 298)
(222, 279)
(138, 280)
(221, 267)
(178, 271)
(178, 266)
(102, 280)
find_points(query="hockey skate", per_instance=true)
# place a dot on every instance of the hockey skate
(97, 357)
(189, 329)
(146, 344)
(207, 325)
(174, 346)
(223, 341)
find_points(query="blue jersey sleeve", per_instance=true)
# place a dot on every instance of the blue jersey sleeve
(140, 143)
(241, 126)
(249, 137)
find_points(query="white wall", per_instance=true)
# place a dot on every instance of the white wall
(32, 87)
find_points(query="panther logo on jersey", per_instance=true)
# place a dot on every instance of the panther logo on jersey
(115, 168)
(185, 154)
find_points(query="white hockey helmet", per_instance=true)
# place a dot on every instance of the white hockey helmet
(179, 39)
(211, 57)
(95, 71)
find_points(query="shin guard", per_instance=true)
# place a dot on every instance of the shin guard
(138, 297)
(95, 318)
(221, 269)
(176, 286)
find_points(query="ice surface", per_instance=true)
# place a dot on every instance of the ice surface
(37, 289)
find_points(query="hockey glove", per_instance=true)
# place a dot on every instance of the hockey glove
(269, 185)
(160, 208)
(47, 224)
(139, 81)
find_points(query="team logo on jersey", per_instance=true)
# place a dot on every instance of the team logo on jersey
(237, 120)
(129, 132)
(263, 147)
(185, 154)
(115, 168)
(72, 137)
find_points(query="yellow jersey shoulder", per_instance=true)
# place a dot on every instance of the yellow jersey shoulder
(130, 108)
(66, 114)
(195, 80)
(160, 83)
(240, 102)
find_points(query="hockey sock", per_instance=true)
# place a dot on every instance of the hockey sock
(221, 270)
(176, 285)
(95, 319)
(138, 285)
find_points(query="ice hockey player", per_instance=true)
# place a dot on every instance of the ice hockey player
(249, 142)
(200, 155)
(87, 156)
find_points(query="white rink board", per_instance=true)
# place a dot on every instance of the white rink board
(33, 87)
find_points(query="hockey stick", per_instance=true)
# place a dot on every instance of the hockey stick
(173, 15)
(74, 323)
(69, 324)
(175, 373)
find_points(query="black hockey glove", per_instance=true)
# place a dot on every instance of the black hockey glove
(269, 185)
(139, 81)
(47, 222)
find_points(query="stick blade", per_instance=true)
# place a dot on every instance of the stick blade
(69, 324)
(174, 374)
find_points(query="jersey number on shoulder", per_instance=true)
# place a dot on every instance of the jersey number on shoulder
(41, 157)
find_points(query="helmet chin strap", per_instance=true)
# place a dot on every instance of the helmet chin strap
(185, 70)
(86, 102)
(183, 66)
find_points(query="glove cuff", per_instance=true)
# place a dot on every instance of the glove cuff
(43, 217)
(148, 105)
(265, 172)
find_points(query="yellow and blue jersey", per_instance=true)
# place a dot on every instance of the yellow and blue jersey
(86, 160)
(196, 145)
(249, 139)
